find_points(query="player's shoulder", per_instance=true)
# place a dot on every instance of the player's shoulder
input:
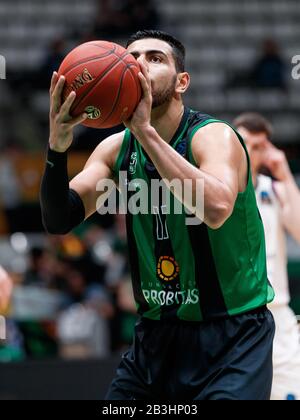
(112, 142)
(218, 138)
(279, 190)
(202, 124)
(216, 126)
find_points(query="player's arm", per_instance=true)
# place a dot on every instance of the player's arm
(221, 160)
(65, 205)
(91, 184)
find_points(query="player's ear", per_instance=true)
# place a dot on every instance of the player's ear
(183, 82)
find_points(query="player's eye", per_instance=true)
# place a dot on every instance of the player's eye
(156, 59)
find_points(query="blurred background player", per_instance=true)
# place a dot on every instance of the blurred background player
(278, 200)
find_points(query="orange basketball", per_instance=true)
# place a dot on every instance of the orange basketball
(105, 78)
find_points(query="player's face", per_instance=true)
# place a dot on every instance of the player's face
(158, 58)
(256, 144)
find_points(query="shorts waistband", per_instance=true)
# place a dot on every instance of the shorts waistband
(256, 311)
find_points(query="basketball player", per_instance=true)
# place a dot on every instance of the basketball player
(279, 203)
(201, 290)
(5, 290)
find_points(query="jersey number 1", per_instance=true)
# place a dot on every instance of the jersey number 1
(161, 226)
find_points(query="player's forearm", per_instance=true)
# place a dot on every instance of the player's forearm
(291, 210)
(171, 166)
(62, 208)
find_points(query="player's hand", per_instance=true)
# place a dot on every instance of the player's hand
(6, 286)
(141, 118)
(276, 162)
(61, 123)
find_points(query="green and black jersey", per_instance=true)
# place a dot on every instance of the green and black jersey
(183, 270)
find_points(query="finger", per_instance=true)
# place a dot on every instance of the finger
(78, 120)
(143, 67)
(144, 71)
(146, 75)
(65, 109)
(145, 86)
(57, 94)
(53, 82)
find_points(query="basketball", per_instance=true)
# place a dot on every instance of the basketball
(105, 78)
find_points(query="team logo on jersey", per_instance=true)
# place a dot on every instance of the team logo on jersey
(93, 112)
(167, 268)
(133, 163)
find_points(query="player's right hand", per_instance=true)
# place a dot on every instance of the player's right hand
(61, 123)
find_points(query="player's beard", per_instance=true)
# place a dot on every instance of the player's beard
(164, 96)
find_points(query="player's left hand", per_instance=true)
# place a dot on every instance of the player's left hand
(276, 162)
(6, 286)
(141, 119)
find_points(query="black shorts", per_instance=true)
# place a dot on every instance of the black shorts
(227, 359)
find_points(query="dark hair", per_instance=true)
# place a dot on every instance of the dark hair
(178, 48)
(255, 123)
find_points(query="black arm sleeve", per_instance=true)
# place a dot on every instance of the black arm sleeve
(62, 207)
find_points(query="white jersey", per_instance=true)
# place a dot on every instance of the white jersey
(286, 355)
(276, 247)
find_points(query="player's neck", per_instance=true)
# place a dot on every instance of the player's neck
(166, 119)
